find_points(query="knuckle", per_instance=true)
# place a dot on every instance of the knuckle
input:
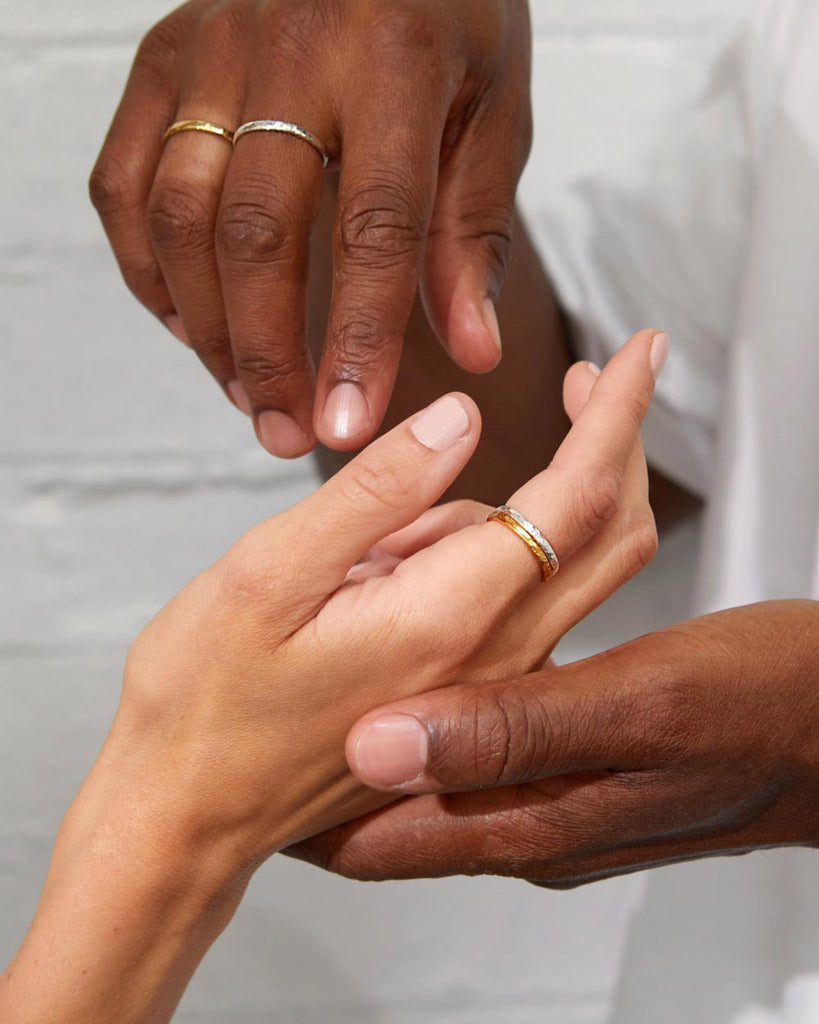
(268, 376)
(146, 282)
(255, 233)
(597, 497)
(222, 26)
(178, 218)
(109, 186)
(247, 576)
(380, 226)
(161, 46)
(291, 26)
(401, 27)
(487, 226)
(381, 480)
(643, 539)
(506, 738)
(358, 343)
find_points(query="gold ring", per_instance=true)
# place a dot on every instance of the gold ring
(285, 128)
(531, 537)
(198, 126)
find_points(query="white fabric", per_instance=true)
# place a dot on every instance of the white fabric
(716, 239)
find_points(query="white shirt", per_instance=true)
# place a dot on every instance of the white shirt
(716, 239)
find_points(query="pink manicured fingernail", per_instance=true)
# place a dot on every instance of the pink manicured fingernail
(238, 396)
(177, 329)
(346, 413)
(594, 369)
(659, 353)
(392, 750)
(281, 435)
(490, 318)
(441, 425)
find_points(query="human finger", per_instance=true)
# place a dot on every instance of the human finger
(470, 235)
(187, 189)
(551, 723)
(383, 489)
(392, 140)
(570, 501)
(433, 525)
(443, 520)
(124, 171)
(269, 202)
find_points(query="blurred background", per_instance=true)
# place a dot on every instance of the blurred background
(123, 472)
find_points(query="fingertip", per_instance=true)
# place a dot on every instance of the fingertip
(174, 324)
(577, 387)
(389, 751)
(345, 419)
(473, 334)
(237, 394)
(464, 318)
(448, 420)
(660, 347)
(281, 435)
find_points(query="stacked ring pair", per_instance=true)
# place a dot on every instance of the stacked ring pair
(282, 127)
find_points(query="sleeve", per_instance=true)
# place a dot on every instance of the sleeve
(661, 244)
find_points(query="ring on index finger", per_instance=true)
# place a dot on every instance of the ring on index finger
(531, 537)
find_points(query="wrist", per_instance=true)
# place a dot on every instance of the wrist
(128, 910)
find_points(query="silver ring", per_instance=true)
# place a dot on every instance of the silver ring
(285, 128)
(547, 551)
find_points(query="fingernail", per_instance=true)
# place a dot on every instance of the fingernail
(177, 329)
(281, 435)
(238, 396)
(392, 750)
(490, 318)
(659, 353)
(346, 413)
(594, 369)
(441, 425)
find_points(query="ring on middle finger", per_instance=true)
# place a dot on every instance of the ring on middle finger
(284, 128)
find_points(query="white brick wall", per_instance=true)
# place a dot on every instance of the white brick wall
(124, 472)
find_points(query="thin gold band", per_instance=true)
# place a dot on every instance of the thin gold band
(531, 537)
(198, 126)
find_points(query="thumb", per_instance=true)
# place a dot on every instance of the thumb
(553, 722)
(469, 246)
(315, 543)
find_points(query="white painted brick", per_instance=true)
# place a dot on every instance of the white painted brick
(49, 20)
(88, 566)
(64, 102)
(89, 372)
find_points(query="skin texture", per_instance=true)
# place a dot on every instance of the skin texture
(698, 740)
(520, 401)
(228, 743)
(423, 106)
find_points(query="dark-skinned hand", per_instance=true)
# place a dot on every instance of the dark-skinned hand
(699, 740)
(423, 107)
